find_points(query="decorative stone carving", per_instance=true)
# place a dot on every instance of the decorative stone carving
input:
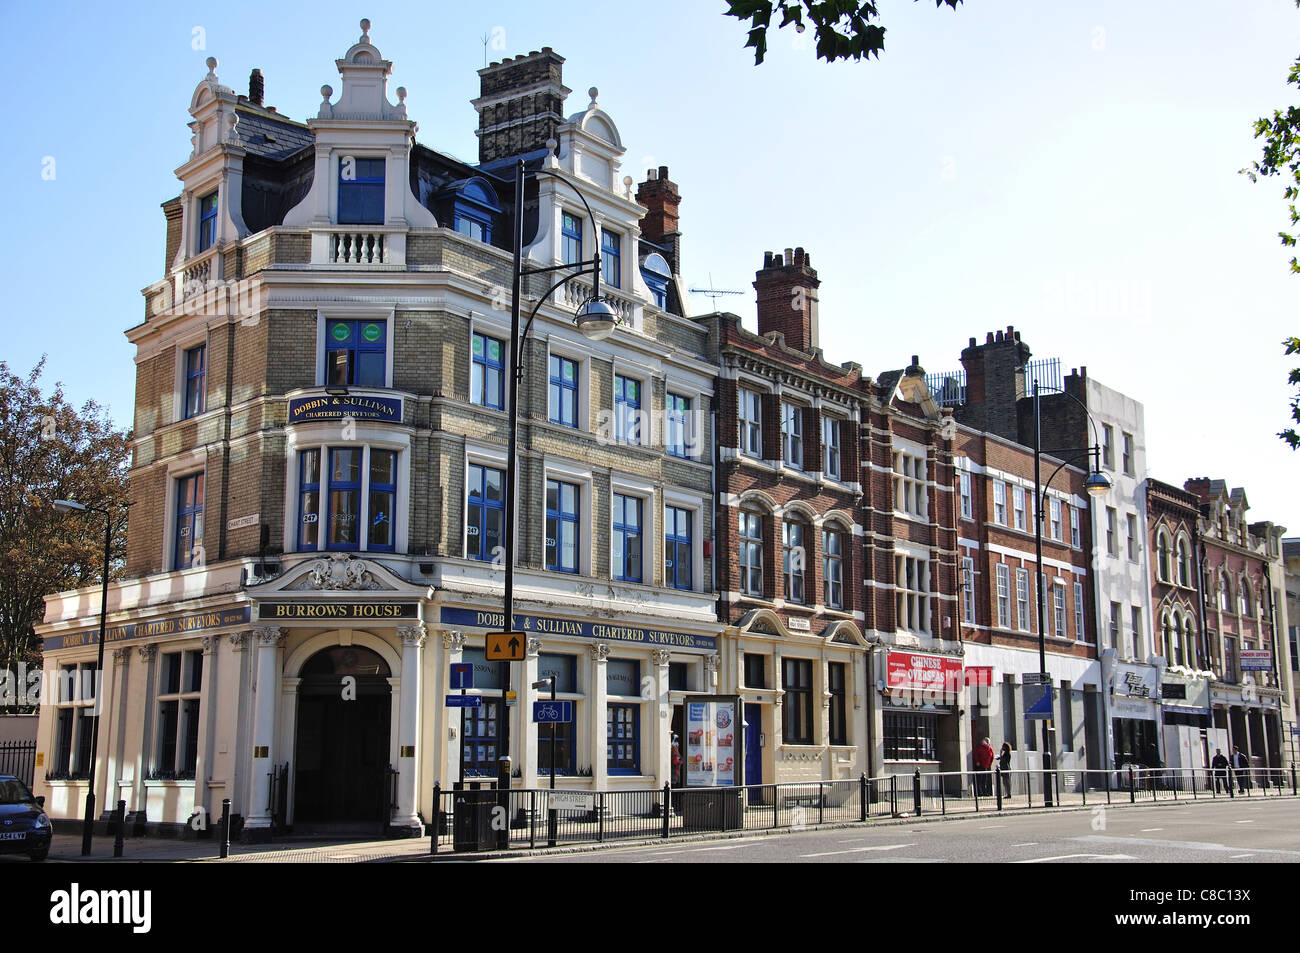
(209, 643)
(661, 656)
(534, 646)
(711, 663)
(271, 636)
(412, 634)
(453, 641)
(239, 641)
(599, 651)
(147, 652)
(337, 571)
(120, 656)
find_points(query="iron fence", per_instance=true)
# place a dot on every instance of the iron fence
(18, 758)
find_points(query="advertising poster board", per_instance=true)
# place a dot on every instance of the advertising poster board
(714, 740)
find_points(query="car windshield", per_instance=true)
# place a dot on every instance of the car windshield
(14, 792)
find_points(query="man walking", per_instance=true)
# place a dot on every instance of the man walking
(1220, 766)
(984, 765)
(1241, 767)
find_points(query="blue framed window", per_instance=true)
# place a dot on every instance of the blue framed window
(677, 547)
(564, 669)
(656, 274)
(309, 500)
(627, 409)
(564, 391)
(189, 521)
(562, 530)
(611, 258)
(622, 739)
(207, 221)
(571, 238)
(479, 734)
(383, 499)
(680, 439)
(486, 374)
(196, 375)
(474, 209)
(487, 512)
(344, 499)
(627, 538)
(361, 191)
(356, 353)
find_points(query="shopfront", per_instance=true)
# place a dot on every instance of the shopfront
(1134, 709)
(919, 699)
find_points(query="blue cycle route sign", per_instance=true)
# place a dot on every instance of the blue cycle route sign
(548, 712)
(464, 701)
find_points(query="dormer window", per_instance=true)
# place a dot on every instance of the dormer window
(207, 221)
(361, 191)
(474, 209)
(656, 274)
(355, 353)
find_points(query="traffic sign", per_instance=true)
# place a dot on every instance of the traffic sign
(462, 675)
(1035, 678)
(464, 701)
(505, 646)
(1038, 701)
(549, 712)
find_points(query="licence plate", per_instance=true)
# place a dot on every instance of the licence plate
(14, 836)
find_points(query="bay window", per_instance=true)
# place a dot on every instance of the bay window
(347, 499)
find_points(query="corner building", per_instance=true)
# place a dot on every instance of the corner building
(320, 444)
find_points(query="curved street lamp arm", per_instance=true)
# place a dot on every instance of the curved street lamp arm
(528, 327)
(1090, 451)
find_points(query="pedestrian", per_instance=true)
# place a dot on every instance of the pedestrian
(1241, 767)
(1004, 764)
(983, 757)
(1220, 766)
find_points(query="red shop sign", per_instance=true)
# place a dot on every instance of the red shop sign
(981, 676)
(921, 672)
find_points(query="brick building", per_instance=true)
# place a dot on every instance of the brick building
(318, 462)
(835, 539)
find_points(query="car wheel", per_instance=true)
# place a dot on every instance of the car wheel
(38, 855)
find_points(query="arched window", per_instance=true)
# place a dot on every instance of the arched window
(1162, 556)
(1189, 642)
(1225, 593)
(1247, 603)
(1184, 563)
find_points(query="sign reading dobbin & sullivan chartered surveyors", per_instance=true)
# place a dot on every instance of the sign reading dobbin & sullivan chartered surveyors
(268, 611)
(551, 625)
(387, 409)
(153, 628)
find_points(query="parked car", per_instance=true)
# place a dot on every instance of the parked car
(24, 826)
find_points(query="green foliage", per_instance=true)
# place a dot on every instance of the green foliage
(49, 451)
(1281, 156)
(844, 28)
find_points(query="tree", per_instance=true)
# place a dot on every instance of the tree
(1281, 156)
(844, 27)
(50, 451)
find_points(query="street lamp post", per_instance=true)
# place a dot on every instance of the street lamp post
(1097, 486)
(596, 321)
(68, 506)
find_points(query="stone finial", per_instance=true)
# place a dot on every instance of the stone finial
(401, 94)
(233, 122)
(326, 110)
(552, 145)
(593, 93)
(326, 92)
(365, 32)
(211, 62)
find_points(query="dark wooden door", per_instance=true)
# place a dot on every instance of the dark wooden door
(342, 753)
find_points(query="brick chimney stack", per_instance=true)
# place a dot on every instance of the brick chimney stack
(520, 104)
(256, 87)
(659, 194)
(1198, 487)
(787, 298)
(995, 380)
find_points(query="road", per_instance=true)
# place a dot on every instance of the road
(1217, 832)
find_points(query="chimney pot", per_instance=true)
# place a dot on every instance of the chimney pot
(652, 175)
(972, 342)
(989, 339)
(789, 256)
(767, 259)
(256, 87)
(787, 299)
(999, 336)
(663, 172)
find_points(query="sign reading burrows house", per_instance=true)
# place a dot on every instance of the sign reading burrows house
(302, 409)
(153, 628)
(551, 625)
(337, 610)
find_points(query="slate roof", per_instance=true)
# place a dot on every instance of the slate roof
(271, 137)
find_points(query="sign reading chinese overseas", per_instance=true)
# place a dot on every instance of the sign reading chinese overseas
(302, 409)
(1256, 660)
(713, 740)
(153, 628)
(914, 673)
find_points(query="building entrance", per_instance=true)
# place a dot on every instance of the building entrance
(342, 745)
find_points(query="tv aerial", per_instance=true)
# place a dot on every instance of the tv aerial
(713, 292)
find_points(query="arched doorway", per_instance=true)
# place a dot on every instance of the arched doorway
(342, 743)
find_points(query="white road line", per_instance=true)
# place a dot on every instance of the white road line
(992, 827)
(858, 850)
(1239, 856)
(1032, 843)
(696, 850)
(1250, 821)
(1044, 860)
(1148, 830)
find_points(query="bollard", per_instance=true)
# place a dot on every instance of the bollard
(437, 817)
(893, 795)
(916, 792)
(862, 798)
(119, 826)
(1293, 790)
(1132, 791)
(998, 779)
(668, 804)
(225, 828)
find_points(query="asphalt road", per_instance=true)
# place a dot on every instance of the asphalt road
(1216, 832)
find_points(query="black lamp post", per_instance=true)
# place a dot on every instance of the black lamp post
(1097, 485)
(596, 321)
(68, 506)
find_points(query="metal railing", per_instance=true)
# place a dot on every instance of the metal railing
(472, 818)
(18, 758)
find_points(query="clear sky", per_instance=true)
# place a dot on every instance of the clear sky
(1067, 168)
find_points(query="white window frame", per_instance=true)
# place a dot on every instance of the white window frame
(1112, 531)
(789, 437)
(745, 542)
(832, 425)
(632, 372)
(188, 654)
(968, 589)
(651, 521)
(1058, 610)
(1078, 612)
(1126, 451)
(1000, 502)
(751, 431)
(1003, 582)
(567, 472)
(910, 474)
(964, 483)
(1018, 507)
(1023, 601)
(696, 507)
(560, 347)
(912, 606)
(187, 466)
(1131, 530)
(1075, 538)
(1055, 523)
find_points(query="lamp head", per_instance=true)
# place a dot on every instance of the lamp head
(68, 506)
(544, 682)
(596, 320)
(1097, 484)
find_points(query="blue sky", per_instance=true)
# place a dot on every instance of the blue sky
(1067, 168)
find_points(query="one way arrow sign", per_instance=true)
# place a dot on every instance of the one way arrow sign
(505, 646)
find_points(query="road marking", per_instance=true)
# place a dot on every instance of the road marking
(1032, 843)
(1250, 821)
(1239, 856)
(1148, 830)
(1044, 860)
(992, 827)
(696, 850)
(858, 850)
